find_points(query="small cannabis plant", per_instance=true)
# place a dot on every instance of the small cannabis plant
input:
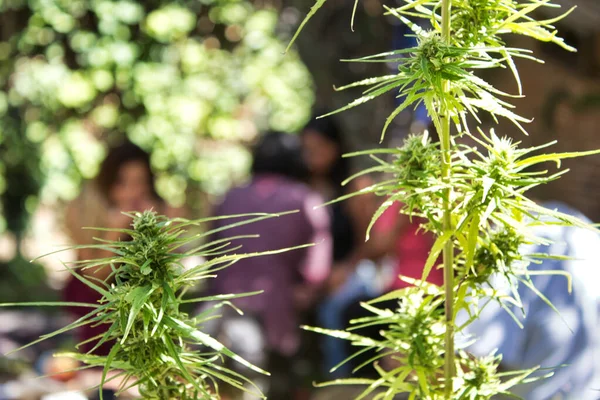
(155, 345)
(469, 186)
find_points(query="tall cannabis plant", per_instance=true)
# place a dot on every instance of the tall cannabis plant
(473, 197)
(154, 344)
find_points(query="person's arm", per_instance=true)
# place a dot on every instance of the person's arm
(361, 209)
(386, 231)
(316, 266)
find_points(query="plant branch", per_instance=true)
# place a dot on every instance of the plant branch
(448, 252)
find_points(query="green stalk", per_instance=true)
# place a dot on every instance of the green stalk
(448, 253)
(164, 390)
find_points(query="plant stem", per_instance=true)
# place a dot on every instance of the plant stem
(164, 390)
(448, 253)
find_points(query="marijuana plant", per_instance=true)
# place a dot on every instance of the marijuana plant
(155, 345)
(472, 196)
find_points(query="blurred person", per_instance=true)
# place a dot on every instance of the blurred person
(352, 274)
(124, 183)
(566, 342)
(290, 280)
(402, 249)
(402, 238)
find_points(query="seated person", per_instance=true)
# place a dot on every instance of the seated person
(567, 342)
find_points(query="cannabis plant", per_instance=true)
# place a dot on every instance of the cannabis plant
(469, 186)
(155, 344)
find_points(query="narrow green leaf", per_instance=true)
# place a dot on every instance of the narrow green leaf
(514, 70)
(49, 304)
(318, 4)
(214, 344)
(107, 367)
(369, 82)
(103, 339)
(353, 15)
(434, 253)
(363, 99)
(220, 297)
(554, 157)
(473, 235)
(379, 212)
(137, 297)
(527, 282)
(487, 183)
(394, 114)
(184, 371)
(88, 282)
(85, 320)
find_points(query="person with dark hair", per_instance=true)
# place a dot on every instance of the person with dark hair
(125, 182)
(278, 153)
(323, 149)
(126, 179)
(290, 280)
(324, 146)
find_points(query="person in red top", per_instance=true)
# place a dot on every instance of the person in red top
(408, 245)
(399, 237)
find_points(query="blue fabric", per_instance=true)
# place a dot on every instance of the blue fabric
(403, 37)
(331, 316)
(548, 339)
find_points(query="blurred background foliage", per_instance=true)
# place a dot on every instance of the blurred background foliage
(193, 82)
(190, 81)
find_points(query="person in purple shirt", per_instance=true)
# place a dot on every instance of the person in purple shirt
(289, 280)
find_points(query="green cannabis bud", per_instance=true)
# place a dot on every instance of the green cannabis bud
(154, 344)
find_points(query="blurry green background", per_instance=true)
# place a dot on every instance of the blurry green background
(187, 80)
(193, 82)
